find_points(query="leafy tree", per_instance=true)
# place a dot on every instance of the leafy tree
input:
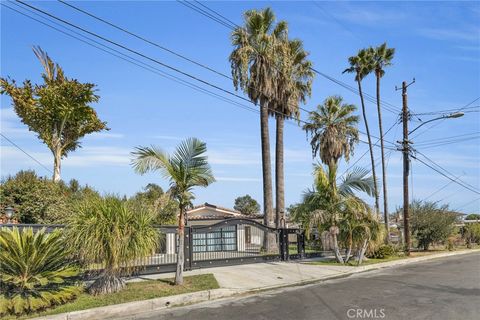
(160, 203)
(382, 57)
(113, 234)
(294, 85)
(150, 193)
(253, 62)
(35, 199)
(186, 169)
(246, 205)
(333, 130)
(57, 110)
(473, 216)
(35, 271)
(361, 65)
(430, 222)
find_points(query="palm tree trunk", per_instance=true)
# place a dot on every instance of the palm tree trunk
(372, 159)
(279, 173)
(336, 250)
(384, 172)
(349, 249)
(181, 247)
(269, 239)
(361, 252)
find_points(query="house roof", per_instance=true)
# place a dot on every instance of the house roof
(216, 213)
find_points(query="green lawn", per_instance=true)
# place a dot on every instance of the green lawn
(136, 291)
(351, 263)
(293, 249)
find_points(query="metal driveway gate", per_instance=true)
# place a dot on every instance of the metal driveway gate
(233, 241)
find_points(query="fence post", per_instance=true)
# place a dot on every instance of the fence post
(188, 248)
(284, 244)
(301, 244)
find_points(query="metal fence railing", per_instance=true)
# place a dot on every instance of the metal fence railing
(233, 241)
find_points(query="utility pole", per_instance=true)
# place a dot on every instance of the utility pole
(406, 166)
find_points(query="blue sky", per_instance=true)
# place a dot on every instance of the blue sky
(437, 43)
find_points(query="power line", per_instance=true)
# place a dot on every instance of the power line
(466, 204)
(156, 44)
(387, 106)
(149, 58)
(218, 14)
(449, 178)
(441, 188)
(154, 60)
(135, 52)
(26, 153)
(447, 138)
(132, 60)
(438, 122)
(206, 14)
(444, 111)
(365, 153)
(440, 144)
(443, 169)
(144, 65)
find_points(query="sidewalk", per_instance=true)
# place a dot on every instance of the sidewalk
(241, 280)
(262, 276)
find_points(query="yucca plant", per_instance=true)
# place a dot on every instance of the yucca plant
(110, 233)
(35, 271)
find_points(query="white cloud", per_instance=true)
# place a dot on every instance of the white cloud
(469, 34)
(358, 15)
(105, 135)
(161, 137)
(83, 157)
(234, 156)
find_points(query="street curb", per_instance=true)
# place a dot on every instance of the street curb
(136, 307)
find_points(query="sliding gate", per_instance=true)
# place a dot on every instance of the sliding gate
(233, 241)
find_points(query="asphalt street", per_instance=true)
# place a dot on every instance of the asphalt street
(447, 288)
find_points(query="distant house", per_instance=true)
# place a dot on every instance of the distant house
(239, 238)
(206, 214)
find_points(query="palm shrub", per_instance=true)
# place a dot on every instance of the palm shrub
(185, 169)
(330, 206)
(35, 271)
(110, 233)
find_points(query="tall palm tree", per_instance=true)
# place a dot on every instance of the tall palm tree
(293, 87)
(333, 130)
(186, 168)
(382, 57)
(253, 69)
(361, 65)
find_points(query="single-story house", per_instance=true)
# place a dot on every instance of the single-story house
(239, 238)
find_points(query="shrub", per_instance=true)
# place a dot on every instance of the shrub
(35, 272)
(471, 233)
(40, 200)
(113, 234)
(384, 251)
(431, 223)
